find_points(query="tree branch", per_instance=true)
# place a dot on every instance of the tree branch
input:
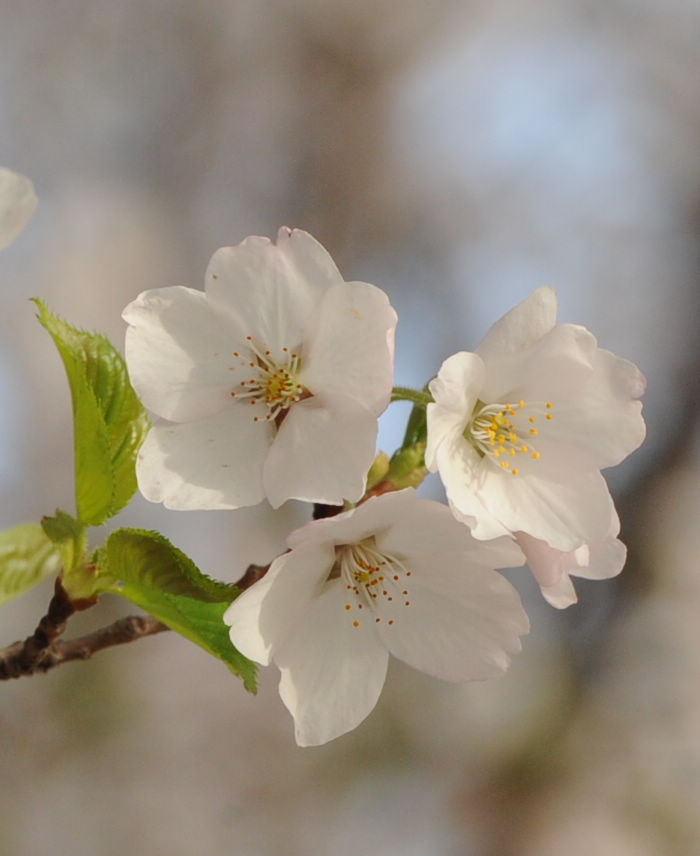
(44, 649)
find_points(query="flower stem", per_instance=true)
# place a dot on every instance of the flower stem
(405, 393)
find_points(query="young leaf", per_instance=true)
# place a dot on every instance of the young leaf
(148, 570)
(109, 420)
(69, 537)
(27, 556)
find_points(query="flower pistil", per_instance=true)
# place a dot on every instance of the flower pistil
(274, 384)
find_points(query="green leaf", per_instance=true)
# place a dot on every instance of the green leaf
(27, 556)
(109, 421)
(148, 570)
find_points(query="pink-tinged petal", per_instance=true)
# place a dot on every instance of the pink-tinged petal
(520, 328)
(214, 463)
(331, 671)
(461, 628)
(424, 528)
(179, 352)
(262, 616)
(552, 568)
(349, 345)
(561, 498)
(321, 453)
(17, 204)
(455, 390)
(271, 290)
(604, 417)
(462, 473)
(560, 595)
(553, 368)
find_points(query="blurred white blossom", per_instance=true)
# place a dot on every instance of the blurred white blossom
(17, 204)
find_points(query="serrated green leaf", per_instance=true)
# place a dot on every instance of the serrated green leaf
(109, 421)
(148, 570)
(201, 622)
(27, 556)
(139, 555)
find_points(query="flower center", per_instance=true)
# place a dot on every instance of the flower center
(373, 580)
(273, 385)
(505, 432)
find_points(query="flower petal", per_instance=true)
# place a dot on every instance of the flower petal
(462, 627)
(213, 463)
(349, 347)
(520, 328)
(455, 390)
(565, 501)
(603, 417)
(462, 472)
(553, 368)
(262, 616)
(322, 452)
(552, 568)
(272, 290)
(17, 204)
(179, 351)
(424, 528)
(332, 671)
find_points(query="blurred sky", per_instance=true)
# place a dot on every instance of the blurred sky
(458, 155)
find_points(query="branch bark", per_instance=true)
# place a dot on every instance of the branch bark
(44, 649)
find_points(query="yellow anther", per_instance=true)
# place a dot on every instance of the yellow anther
(533, 431)
(514, 472)
(535, 455)
(504, 464)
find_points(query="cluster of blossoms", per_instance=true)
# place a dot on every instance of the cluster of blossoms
(268, 386)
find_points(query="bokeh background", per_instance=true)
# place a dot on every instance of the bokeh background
(457, 154)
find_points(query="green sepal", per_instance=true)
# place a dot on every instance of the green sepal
(407, 466)
(109, 422)
(27, 556)
(378, 470)
(145, 568)
(69, 537)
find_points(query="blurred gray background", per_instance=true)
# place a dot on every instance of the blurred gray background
(458, 155)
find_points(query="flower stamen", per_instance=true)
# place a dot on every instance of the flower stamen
(507, 430)
(273, 384)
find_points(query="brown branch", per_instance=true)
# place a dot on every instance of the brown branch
(45, 649)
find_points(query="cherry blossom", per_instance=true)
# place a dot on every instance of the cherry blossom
(520, 429)
(267, 384)
(396, 575)
(17, 204)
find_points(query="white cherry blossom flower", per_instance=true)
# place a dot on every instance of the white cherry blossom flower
(396, 575)
(17, 204)
(520, 429)
(269, 384)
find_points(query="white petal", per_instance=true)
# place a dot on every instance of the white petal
(332, 671)
(455, 390)
(214, 463)
(179, 351)
(424, 528)
(262, 616)
(461, 470)
(553, 368)
(565, 501)
(606, 560)
(349, 345)
(321, 453)
(461, 628)
(604, 417)
(272, 290)
(523, 325)
(377, 514)
(17, 204)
